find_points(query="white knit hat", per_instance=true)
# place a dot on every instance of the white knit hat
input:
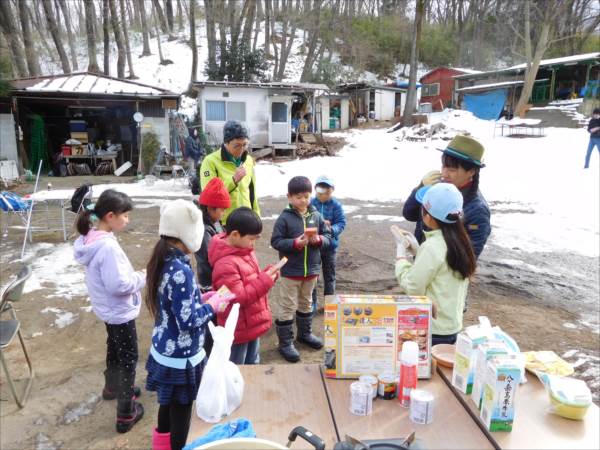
(181, 219)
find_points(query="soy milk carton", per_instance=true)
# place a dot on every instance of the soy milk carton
(483, 354)
(499, 389)
(467, 342)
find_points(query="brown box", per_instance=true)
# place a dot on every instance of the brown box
(81, 136)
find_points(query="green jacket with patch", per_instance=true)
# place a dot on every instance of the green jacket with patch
(220, 164)
(431, 275)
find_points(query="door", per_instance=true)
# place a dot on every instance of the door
(280, 125)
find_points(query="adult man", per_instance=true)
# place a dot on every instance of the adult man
(461, 162)
(594, 130)
(234, 166)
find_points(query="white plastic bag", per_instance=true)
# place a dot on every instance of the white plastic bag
(222, 386)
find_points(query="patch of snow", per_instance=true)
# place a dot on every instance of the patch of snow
(569, 353)
(74, 413)
(271, 217)
(63, 318)
(570, 325)
(380, 218)
(86, 308)
(349, 209)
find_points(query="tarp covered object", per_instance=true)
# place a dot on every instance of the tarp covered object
(487, 105)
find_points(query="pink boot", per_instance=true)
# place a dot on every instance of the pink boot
(161, 441)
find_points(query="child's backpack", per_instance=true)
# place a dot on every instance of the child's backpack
(81, 197)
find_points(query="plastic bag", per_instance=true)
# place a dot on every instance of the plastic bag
(222, 386)
(569, 398)
(238, 428)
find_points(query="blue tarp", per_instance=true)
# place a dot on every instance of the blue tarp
(487, 105)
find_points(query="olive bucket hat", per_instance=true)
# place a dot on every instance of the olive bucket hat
(466, 148)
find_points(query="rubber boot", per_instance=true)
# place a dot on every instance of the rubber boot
(161, 441)
(111, 383)
(129, 412)
(285, 333)
(304, 324)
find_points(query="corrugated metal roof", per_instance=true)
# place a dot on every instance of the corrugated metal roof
(89, 83)
(265, 85)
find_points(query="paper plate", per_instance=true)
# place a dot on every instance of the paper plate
(444, 354)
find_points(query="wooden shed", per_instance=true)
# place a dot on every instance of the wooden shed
(438, 86)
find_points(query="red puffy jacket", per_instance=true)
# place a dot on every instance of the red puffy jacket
(238, 269)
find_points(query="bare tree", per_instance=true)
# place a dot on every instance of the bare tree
(411, 95)
(136, 12)
(116, 26)
(180, 15)
(106, 36)
(91, 37)
(314, 26)
(31, 55)
(290, 18)
(157, 10)
(268, 28)
(64, 60)
(70, 38)
(11, 35)
(127, 47)
(544, 15)
(145, 29)
(249, 22)
(211, 38)
(194, 75)
(170, 16)
(163, 61)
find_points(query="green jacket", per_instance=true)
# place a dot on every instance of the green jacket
(430, 275)
(220, 164)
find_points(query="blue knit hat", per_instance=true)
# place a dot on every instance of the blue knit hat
(234, 129)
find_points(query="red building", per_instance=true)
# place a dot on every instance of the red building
(438, 86)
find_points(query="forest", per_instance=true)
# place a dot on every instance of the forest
(253, 39)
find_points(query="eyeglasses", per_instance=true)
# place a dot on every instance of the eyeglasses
(240, 145)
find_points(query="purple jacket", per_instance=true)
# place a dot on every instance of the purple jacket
(114, 287)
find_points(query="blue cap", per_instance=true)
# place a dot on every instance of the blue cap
(324, 179)
(440, 200)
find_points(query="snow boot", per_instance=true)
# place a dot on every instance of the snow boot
(285, 333)
(304, 324)
(111, 382)
(161, 441)
(129, 412)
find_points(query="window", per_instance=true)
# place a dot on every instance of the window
(236, 111)
(430, 90)
(215, 111)
(279, 112)
(220, 111)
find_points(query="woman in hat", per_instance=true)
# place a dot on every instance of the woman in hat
(444, 262)
(461, 163)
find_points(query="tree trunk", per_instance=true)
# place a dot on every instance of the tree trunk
(211, 38)
(180, 15)
(31, 55)
(11, 34)
(161, 16)
(126, 37)
(286, 47)
(64, 60)
(411, 97)
(145, 29)
(162, 60)
(136, 12)
(312, 42)
(249, 22)
(91, 38)
(68, 26)
(116, 26)
(170, 16)
(106, 36)
(222, 35)
(267, 28)
(194, 75)
(531, 71)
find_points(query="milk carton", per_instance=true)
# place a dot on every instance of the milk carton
(499, 389)
(483, 354)
(464, 358)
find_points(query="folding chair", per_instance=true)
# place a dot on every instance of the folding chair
(11, 328)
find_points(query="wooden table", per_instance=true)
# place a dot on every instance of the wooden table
(95, 158)
(534, 427)
(278, 398)
(452, 427)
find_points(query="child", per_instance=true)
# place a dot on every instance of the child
(213, 201)
(114, 289)
(333, 214)
(299, 276)
(177, 357)
(235, 266)
(443, 263)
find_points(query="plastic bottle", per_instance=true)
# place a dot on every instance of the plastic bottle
(409, 360)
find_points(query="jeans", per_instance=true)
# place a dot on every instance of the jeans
(246, 353)
(328, 261)
(594, 142)
(121, 358)
(443, 339)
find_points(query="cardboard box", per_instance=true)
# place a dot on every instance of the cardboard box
(500, 386)
(484, 353)
(364, 334)
(80, 136)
